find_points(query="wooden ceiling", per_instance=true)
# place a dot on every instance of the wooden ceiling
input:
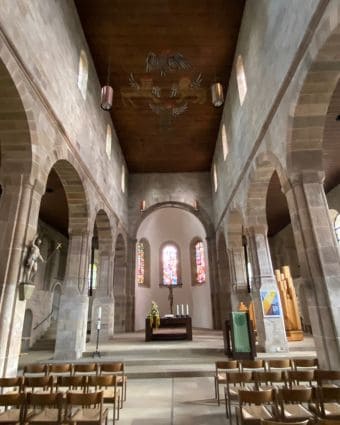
(124, 32)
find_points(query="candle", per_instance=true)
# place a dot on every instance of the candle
(177, 310)
(99, 313)
(187, 309)
(182, 309)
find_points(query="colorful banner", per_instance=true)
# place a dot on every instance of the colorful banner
(270, 303)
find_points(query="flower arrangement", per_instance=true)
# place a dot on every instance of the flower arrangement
(154, 316)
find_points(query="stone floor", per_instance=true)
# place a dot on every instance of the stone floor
(170, 383)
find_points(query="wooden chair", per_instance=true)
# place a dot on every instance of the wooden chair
(305, 364)
(90, 412)
(85, 369)
(44, 409)
(300, 378)
(221, 369)
(35, 370)
(111, 393)
(268, 422)
(14, 407)
(61, 369)
(11, 385)
(236, 381)
(279, 364)
(269, 380)
(257, 364)
(329, 402)
(294, 404)
(39, 383)
(256, 406)
(327, 377)
(71, 383)
(118, 369)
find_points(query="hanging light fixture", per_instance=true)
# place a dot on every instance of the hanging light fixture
(106, 98)
(217, 97)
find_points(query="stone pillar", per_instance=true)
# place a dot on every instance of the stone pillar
(214, 282)
(104, 299)
(119, 286)
(19, 211)
(130, 296)
(73, 310)
(271, 333)
(319, 262)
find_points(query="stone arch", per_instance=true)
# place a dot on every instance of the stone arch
(119, 283)
(75, 195)
(259, 178)
(310, 112)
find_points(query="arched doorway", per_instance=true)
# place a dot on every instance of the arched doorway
(27, 331)
(119, 284)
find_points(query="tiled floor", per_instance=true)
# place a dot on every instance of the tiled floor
(171, 383)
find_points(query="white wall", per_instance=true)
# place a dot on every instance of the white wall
(181, 227)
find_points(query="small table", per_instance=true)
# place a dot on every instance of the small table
(171, 328)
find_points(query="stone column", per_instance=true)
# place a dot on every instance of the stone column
(214, 282)
(239, 278)
(19, 211)
(130, 296)
(271, 333)
(319, 262)
(119, 286)
(73, 310)
(104, 299)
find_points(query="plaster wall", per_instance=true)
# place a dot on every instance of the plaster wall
(172, 224)
(48, 39)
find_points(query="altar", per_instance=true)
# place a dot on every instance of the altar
(170, 328)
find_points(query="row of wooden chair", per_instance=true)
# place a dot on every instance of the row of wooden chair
(288, 405)
(70, 369)
(62, 384)
(53, 408)
(222, 367)
(277, 380)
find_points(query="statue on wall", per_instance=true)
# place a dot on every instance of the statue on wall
(31, 262)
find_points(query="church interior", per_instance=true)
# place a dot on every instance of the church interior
(168, 175)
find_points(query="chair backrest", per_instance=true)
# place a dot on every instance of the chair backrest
(329, 394)
(72, 382)
(88, 399)
(35, 369)
(226, 365)
(14, 383)
(102, 381)
(295, 377)
(252, 364)
(85, 368)
(256, 397)
(328, 422)
(267, 422)
(279, 364)
(114, 367)
(240, 378)
(13, 400)
(295, 395)
(305, 363)
(43, 400)
(60, 369)
(263, 377)
(38, 382)
(326, 375)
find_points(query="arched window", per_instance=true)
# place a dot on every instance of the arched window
(198, 263)
(123, 179)
(215, 177)
(83, 73)
(241, 79)
(92, 276)
(143, 263)
(108, 144)
(224, 142)
(337, 227)
(170, 264)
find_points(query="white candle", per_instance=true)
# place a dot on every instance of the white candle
(187, 309)
(182, 308)
(177, 310)
(99, 313)
(98, 324)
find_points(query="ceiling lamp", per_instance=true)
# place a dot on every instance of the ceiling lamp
(217, 94)
(106, 98)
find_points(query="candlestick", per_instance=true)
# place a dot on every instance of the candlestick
(187, 309)
(177, 310)
(99, 313)
(182, 309)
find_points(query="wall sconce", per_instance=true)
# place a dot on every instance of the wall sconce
(142, 206)
(217, 97)
(106, 98)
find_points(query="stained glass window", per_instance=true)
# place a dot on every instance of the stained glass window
(140, 263)
(200, 262)
(170, 265)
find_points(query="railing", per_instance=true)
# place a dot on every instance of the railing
(43, 321)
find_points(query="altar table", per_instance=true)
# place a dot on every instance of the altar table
(171, 328)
